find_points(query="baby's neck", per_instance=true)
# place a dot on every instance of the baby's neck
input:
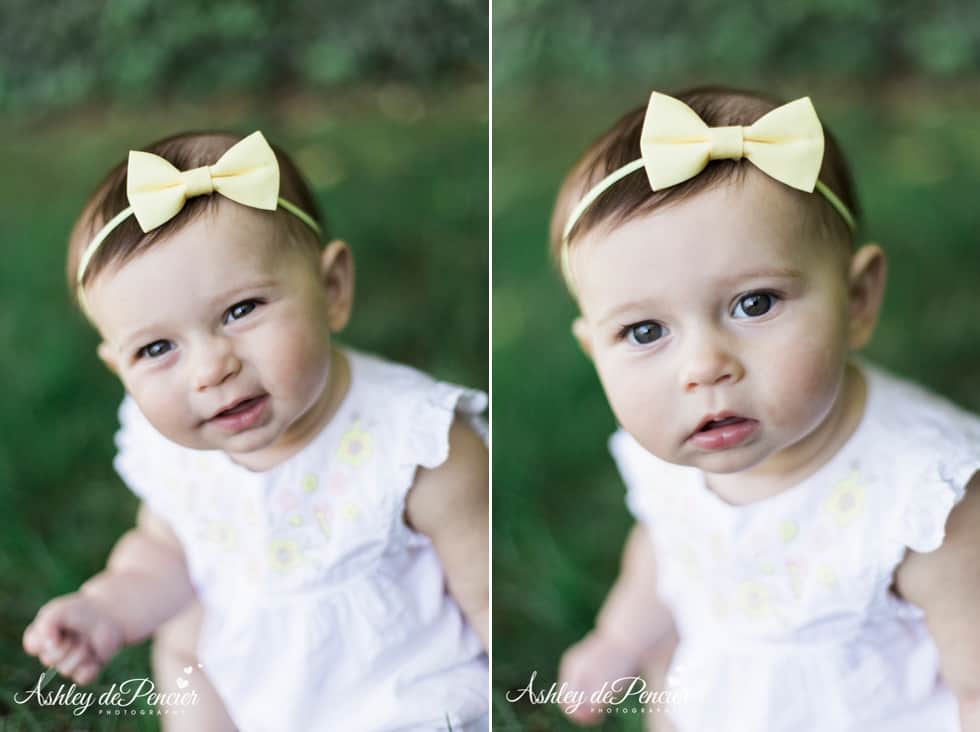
(302, 432)
(793, 464)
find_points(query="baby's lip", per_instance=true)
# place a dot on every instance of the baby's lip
(235, 403)
(726, 417)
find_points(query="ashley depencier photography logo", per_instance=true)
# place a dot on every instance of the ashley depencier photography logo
(118, 700)
(625, 695)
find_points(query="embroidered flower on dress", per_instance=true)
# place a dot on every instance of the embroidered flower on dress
(796, 571)
(337, 482)
(284, 554)
(222, 534)
(789, 530)
(846, 503)
(753, 599)
(322, 515)
(356, 445)
(310, 482)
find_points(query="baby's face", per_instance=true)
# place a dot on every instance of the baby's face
(724, 311)
(222, 311)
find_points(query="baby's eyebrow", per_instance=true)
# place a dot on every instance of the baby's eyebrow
(237, 290)
(772, 273)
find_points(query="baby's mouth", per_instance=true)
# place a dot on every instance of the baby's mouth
(238, 407)
(718, 421)
(712, 424)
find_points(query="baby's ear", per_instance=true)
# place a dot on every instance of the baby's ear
(108, 357)
(583, 334)
(337, 274)
(866, 289)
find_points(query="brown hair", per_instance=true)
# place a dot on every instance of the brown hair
(185, 151)
(717, 106)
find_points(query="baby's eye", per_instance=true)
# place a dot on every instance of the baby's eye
(754, 304)
(240, 310)
(643, 334)
(155, 349)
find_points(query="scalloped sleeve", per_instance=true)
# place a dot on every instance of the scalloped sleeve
(637, 468)
(143, 458)
(934, 452)
(932, 497)
(427, 420)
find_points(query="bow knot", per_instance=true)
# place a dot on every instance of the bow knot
(248, 173)
(726, 143)
(197, 181)
(676, 144)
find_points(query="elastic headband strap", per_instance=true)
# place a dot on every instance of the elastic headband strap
(617, 175)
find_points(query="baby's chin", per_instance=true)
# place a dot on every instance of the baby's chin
(724, 462)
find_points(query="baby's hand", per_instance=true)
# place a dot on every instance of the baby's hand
(587, 665)
(75, 634)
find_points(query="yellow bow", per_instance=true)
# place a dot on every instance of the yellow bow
(676, 144)
(248, 173)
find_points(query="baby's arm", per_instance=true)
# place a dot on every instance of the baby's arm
(449, 504)
(631, 623)
(145, 582)
(945, 583)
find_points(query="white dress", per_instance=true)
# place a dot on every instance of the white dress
(783, 607)
(324, 611)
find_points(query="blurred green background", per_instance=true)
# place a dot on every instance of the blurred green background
(384, 107)
(897, 83)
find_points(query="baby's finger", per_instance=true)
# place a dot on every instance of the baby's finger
(41, 634)
(53, 653)
(72, 660)
(31, 640)
(87, 672)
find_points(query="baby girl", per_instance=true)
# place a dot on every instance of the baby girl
(806, 553)
(311, 549)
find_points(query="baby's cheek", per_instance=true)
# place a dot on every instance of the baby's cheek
(810, 380)
(298, 360)
(169, 416)
(641, 405)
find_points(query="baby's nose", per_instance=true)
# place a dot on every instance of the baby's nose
(710, 362)
(216, 363)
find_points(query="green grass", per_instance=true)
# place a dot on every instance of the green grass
(558, 512)
(402, 177)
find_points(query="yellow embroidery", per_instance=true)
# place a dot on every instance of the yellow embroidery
(222, 534)
(351, 511)
(310, 482)
(356, 445)
(295, 520)
(789, 530)
(753, 599)
(796, 572)
(284, 555)
(322, 521)
(846, 503)
(826, 574)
